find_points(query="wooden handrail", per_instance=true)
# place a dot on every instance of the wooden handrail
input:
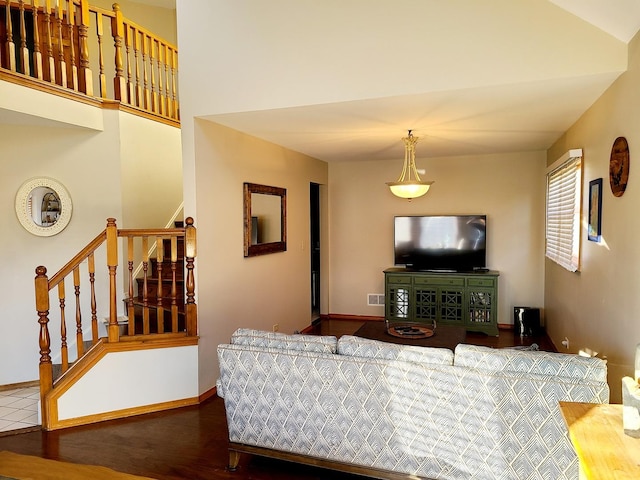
(78, 258)
(173, 310)
(51, 45)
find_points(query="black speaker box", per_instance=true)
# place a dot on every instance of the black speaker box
(526, 321)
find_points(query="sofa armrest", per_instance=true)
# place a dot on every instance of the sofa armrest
(535, 362)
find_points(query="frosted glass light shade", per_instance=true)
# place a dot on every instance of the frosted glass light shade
(409, 190)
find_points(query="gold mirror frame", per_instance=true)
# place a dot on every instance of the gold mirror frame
(24, 209)
(251, 249)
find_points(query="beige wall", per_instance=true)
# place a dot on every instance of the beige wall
(598, 307)
(160, 21)
(269, 71)
(508, 188)
(255, 292)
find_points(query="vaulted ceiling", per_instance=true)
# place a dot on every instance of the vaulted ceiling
(530, 88)
(473, 90)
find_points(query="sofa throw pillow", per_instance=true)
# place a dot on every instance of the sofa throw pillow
(544, 363)
(306, 343)
(364, 347)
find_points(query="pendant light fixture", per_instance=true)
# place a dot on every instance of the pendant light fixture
(409, 184)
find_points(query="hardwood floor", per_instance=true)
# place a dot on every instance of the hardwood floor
(190, 442)
(507, 338)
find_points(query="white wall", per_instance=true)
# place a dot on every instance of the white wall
(508, 188)
(151, 160)
(247, 55)
(143, 379)
(598, 307)
(83, 161)
(95, 158)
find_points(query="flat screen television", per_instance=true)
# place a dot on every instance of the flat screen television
(456, 243)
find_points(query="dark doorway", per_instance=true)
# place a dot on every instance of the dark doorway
(314, 201)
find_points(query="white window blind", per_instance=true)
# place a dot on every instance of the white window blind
(564, 193)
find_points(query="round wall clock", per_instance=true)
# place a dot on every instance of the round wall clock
(619, 166)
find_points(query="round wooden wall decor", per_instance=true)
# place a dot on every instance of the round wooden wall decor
(619, 166)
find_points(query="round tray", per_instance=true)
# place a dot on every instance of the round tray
(410, 331)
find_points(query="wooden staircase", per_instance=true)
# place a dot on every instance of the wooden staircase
(161, 304)
(155, 297)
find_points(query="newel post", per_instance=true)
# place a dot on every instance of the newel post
(112, 264)
(190, 254)
(117, 31)
(42, 306)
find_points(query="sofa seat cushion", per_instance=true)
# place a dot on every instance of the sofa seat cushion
(533, 362)
(297, 342)
(367, 348)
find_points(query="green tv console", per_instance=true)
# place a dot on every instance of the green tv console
(465, 299)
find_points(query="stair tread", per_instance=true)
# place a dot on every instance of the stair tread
(155, 280)
(153, 302)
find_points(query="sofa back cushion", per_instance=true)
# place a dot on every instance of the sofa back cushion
(534, 362)
(306, 343)
(367, 348)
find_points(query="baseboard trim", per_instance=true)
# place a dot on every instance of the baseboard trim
(212, 392)
(370, 318)
(117, 414)
(15, 386)
(352, 318)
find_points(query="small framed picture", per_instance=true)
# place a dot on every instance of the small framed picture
(595, 210)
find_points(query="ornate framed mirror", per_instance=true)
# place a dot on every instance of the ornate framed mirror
(43, 206)
(265, 219)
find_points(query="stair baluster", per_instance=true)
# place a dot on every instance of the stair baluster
(76, 287)
(160, 307)
(94, 310)
(63, 328)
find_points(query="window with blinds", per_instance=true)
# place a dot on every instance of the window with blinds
(564, 194)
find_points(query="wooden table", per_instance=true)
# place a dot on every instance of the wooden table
(604, 451)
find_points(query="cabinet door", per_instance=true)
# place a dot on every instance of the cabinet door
(426, 304)
(397, 302)
(482, 305)
(451, 305)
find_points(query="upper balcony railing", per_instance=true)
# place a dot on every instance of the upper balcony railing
(60, 46)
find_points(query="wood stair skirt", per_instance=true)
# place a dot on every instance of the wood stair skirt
(152, 303)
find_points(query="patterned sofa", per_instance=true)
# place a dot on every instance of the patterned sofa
(392, 411)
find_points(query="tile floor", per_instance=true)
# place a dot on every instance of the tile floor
(19, 408)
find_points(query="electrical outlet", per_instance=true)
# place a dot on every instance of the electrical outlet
(276, 327)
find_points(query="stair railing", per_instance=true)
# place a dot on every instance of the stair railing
(162, 314)
(59, 46)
